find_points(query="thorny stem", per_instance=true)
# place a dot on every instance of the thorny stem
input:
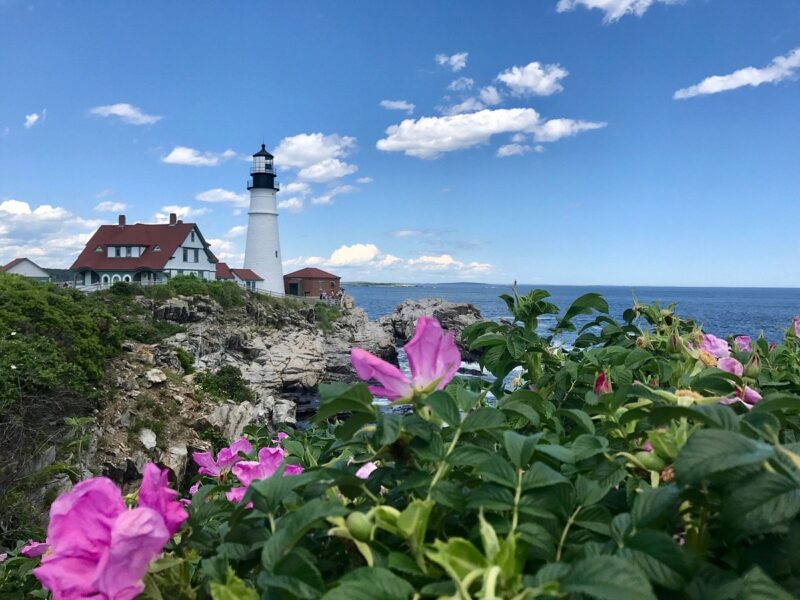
(564, 533)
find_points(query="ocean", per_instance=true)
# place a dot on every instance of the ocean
(721, 311)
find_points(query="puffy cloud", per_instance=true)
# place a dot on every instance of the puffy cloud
(357, 254)
(781, 67)
(127, 113)
(297, 187)
(326, 170)
(490, 95)
(236, 231)
(398, 105)
(182, 155)
(534, 79)
(307, 149)
(555, 129)
(364, 180)
(613, 9)
(220, 195)
(445, 262)
(225, 250)
(183, 212)
(461, 84)
(294, 205)
(513, 150)
(32, 119)
(109, 206)
(51, 235)
(467, 106)
(454, 62)
(327, 198)
(429, 137)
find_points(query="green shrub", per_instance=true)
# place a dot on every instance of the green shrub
(225, 384)
(186, 360)
(325, 315)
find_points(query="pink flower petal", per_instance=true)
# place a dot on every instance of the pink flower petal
(138, 537)
(368, 366)
(366, 470)
(730, 365)
(750, 396)
(33, 549)
(715, 346)
(207, 464)
(742, 343)
(432, 354)
(155, 493)
(602, 385)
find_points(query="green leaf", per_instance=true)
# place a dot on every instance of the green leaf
(589, 492)
(267, 494)
(522, 409)
(711, 451)
(761, 503)
(459, 557)
(233, 589)
(413, 521)
(580, 418)
(497, 469)
(489, 539)
(388, 428)
(520, 448)
(607, 578)
(292, 527)
(584, 305)
(483, 418)
(654, 504)
(370, 583)
(445, 408)
(659, 557)
(540, 476)
(338, 398)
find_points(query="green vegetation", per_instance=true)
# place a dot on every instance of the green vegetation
(186, 360)
(325, 315)
(225, 384)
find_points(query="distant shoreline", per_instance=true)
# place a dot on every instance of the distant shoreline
(546, 286)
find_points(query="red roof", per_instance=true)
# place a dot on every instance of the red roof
(312, 273)
(167, 237)
(246, 275)
(14, 263)
(224, 271)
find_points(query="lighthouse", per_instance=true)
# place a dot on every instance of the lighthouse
(262, 252)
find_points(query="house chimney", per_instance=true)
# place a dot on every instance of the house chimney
(122, 220)
(173, 218)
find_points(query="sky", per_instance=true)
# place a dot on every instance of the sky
(586, 142)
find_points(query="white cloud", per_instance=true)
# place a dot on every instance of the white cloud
(513, 150)
(109, 206)
(490, 95)
(326, 170)
(781, 67)
(518, 137)
(408, 233)
(455, 62)
(307, 149)
(555, 129)
(364, 180)
(49, 234)
(467, 106)
(461, 84)
(294, 205)
(445, 262)
(236, 231)
(613, 9)
(182, 155)
(183, 213)
(127, 113)
(31, 120)
(297, 187)
(389, 260)
(357, 254)
(217, 195)
(398, 105)
(534, 79)
(327, 198)
(226, 250)
(429, 137)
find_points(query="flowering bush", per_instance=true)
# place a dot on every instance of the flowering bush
(631, 464)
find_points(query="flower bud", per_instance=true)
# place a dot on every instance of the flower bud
(650, 460)
(359, 526)
(753, 366)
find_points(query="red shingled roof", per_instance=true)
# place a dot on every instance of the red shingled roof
(312, 273)
(14, 263)
(167, 237)
(224, 271)
(247, 275)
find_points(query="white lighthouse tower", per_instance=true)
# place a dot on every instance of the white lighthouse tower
(262, 253)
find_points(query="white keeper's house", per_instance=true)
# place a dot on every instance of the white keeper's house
(144, 253)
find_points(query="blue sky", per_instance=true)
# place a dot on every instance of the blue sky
(627, 142)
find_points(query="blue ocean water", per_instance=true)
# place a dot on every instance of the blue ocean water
(722, 311)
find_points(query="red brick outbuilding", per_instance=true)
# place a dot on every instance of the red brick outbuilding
(312, 282)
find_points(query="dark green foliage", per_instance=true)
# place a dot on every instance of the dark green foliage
(227, 293)
(186, 360)
(325, 315)
(225, 384)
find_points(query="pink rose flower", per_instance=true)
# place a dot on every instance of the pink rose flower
(99, 548)
(715, 346)
(742, 343)
(647, 447)
(749, 396)
(730, 365)
(796, 322)
(433, 359)
(248, 471)
(33, 549)
(279, 437)
(155, 493)
(366, 470)
(602, 385)
(226, 458)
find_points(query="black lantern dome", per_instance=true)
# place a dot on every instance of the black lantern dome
(262, 171)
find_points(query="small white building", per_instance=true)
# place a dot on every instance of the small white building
(144, 253)
(27, 268)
